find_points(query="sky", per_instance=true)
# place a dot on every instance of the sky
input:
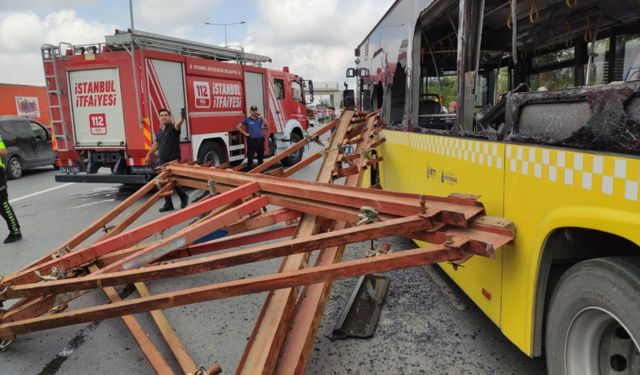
(315, 38)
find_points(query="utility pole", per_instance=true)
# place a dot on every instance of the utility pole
(225, 28)
(131, 13)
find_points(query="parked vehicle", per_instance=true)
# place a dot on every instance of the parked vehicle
(104, 101)
(28, 144)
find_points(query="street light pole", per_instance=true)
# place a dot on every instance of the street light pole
(131, 13)
(225, 28)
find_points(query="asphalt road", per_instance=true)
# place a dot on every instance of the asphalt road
(427, 325)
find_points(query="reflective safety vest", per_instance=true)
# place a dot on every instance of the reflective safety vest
(2, 147)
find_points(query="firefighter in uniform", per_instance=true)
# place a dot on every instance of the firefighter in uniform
(6, 211)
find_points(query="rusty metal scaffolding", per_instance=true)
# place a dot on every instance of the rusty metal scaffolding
(321, 216)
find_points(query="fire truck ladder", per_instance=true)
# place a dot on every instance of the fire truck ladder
(50, 54)
(142, 39)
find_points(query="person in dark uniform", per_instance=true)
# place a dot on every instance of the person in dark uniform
(167, 143)
(5, 208)
(253, 128)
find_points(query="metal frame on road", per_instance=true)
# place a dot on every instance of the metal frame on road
(320, 216)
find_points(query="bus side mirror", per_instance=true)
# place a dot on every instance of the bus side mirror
(349, 99)
(351, 72)
(363, 72)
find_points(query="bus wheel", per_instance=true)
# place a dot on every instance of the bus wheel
(296, 156)
(593, 326)
(211, 152)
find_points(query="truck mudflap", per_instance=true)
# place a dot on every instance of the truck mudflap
(103, 178)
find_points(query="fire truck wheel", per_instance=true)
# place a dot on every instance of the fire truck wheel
(273, 148)
(592, 325)
(211, 152)
(94, 167)
(14, 168)
(296, 156)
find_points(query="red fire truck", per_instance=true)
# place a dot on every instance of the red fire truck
(104, 99)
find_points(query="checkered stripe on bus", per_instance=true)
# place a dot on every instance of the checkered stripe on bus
(609, 175)
(471, 151)
(613, 176)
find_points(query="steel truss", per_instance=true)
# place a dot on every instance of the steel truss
(318, 216)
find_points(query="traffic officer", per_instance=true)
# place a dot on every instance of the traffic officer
(252, 128)
(5, 210)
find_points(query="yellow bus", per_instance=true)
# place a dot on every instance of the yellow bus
(535, 107)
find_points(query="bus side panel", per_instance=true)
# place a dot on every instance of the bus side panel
(438, 165)
(548, 188)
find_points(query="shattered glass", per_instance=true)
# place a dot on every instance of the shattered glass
(612, 123)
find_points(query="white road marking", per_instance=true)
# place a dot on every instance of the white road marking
(14, 200)
(90, 204)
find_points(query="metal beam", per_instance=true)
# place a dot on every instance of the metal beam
(93, 252)
(283, 248)
(268, 335)
(279, 281)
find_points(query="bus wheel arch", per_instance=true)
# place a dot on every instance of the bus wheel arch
(562, 249)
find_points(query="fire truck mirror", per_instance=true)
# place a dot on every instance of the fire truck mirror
(310, 88)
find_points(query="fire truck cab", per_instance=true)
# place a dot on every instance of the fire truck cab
(104, 101)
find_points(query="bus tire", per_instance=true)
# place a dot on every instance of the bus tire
(296, 156)
(593, 325)
(211, 152)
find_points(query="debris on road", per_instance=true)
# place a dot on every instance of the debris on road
(321, 217)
